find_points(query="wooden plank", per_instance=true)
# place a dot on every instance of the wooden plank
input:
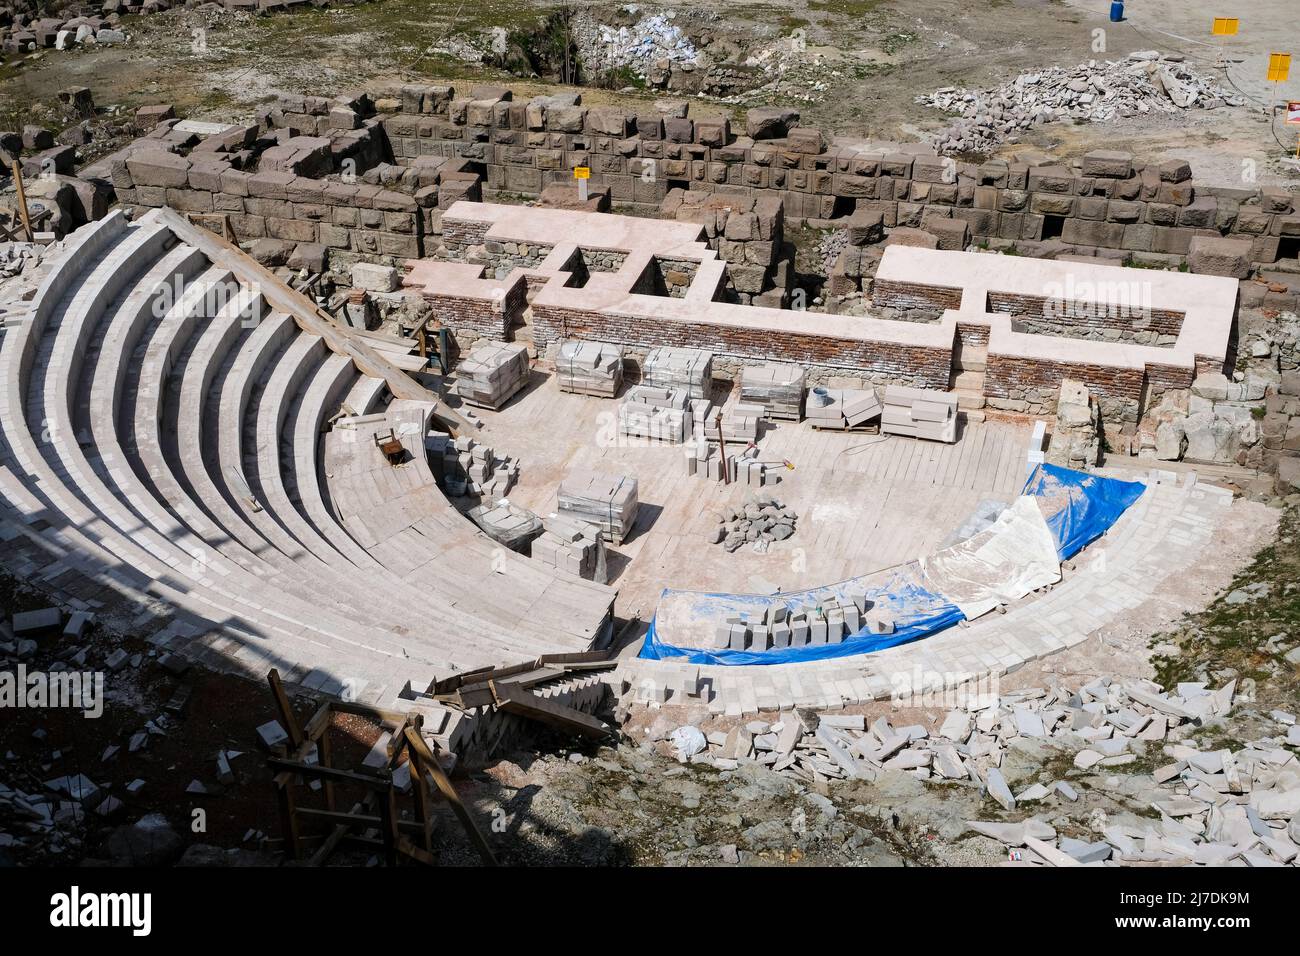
(314, 772)
(339, 832)
(429, 764)
(388, 831)
(287, 718)
(516, 700)
(288, 819)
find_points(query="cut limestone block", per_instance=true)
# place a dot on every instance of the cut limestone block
(589, 368)
(35, 623)
(777, 387)
(607, 501)
(491, 374)
(688, 369)
(842, 408)
(919, 413)
(655, 412)
(577, 547)
(507, 524)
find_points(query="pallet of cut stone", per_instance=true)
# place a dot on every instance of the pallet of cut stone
(920, 413)
(507, 524)
(589, 368)
(577, 547)
(777, 386)
(845, 409)
(491, 374)
(607, 501)
(687, 369)
(740, 424)
(652, 412)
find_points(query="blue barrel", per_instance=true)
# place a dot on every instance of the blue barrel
(1116, 11)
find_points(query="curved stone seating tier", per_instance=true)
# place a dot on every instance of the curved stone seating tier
(324, 395)
(117, 494)
(404, 521)
(162, 446)
(1158, 537)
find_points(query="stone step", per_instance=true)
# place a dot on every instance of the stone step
(972, 415)
(971, 359)
(968, 400)
(968, 381)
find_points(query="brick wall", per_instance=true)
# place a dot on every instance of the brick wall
(1032, 385)
(882, 361)
(887, 294)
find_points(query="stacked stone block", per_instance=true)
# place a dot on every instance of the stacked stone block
(748, 233)
(1108, 200)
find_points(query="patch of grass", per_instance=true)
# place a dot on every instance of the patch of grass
(1236, 636)
(846, 8)
(893, 42)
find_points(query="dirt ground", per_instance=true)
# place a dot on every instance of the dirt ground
(863, 64)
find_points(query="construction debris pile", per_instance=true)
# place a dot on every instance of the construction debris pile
(589, 368)
(26, 34)
(607, 501)
(17, 257)
(491, 374)
(471, 468)
(760, 521)
(1095, 92)
(1220, 807)
(574, 546)
(649, 45)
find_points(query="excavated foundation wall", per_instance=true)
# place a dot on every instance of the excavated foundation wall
(1109, 200)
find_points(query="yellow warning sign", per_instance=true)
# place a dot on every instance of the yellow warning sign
(581, 172)
(1279, 67)
(1225, 26)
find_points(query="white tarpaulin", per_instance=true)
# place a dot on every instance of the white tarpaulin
(1011, 558)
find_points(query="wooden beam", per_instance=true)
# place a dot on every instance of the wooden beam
(394, 718)
(517, 700)
(338, 833)
(352, 819)
(16, 168)
(288, 819)
(287, 718)
(388, 830)
(429, 764)
(315, 772)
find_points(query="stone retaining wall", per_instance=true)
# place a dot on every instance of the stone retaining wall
(1108, 200)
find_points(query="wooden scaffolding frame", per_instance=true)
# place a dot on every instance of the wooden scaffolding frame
(398, 839)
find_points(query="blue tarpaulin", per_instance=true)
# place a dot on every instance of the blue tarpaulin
(916, 611)
(1079, 507)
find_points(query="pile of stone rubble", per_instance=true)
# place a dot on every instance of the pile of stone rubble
(1096, 91)
(17, 257)
(639, 46)
(759, 521)
(1220, 807)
